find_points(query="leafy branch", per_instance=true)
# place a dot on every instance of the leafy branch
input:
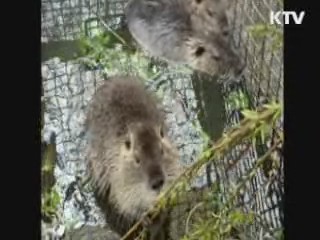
(253, 125)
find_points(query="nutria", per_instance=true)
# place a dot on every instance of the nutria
(131, 159)
(212, 14)
(191, 32)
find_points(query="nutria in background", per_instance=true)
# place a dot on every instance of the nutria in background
(191, 32)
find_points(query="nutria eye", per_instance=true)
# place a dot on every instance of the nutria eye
(137, 160)
(128, 144)
(210, 13)
(199, 51)
(225, 33)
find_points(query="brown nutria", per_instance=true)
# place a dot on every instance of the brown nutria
(131, 159)
(182, 31)
(211, 16)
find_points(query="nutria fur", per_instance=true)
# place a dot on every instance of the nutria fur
(191, 32)
(131, 159)
(211, 16)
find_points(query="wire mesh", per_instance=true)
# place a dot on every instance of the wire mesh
(68, 86)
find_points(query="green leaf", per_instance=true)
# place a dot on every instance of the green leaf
(236, 217)
(55, 198)
(250, 114)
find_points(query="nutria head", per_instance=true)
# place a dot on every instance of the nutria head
(147, 163)
(213, 55)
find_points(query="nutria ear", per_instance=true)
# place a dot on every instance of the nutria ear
(161, 131)
(130, 138)
(127, 144)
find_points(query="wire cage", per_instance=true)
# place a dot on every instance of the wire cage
(193, 105)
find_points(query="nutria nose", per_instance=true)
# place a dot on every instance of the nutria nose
(157, 182)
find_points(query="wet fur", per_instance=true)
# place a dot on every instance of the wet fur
(123, 110)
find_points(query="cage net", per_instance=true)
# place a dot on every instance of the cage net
(85, 41)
